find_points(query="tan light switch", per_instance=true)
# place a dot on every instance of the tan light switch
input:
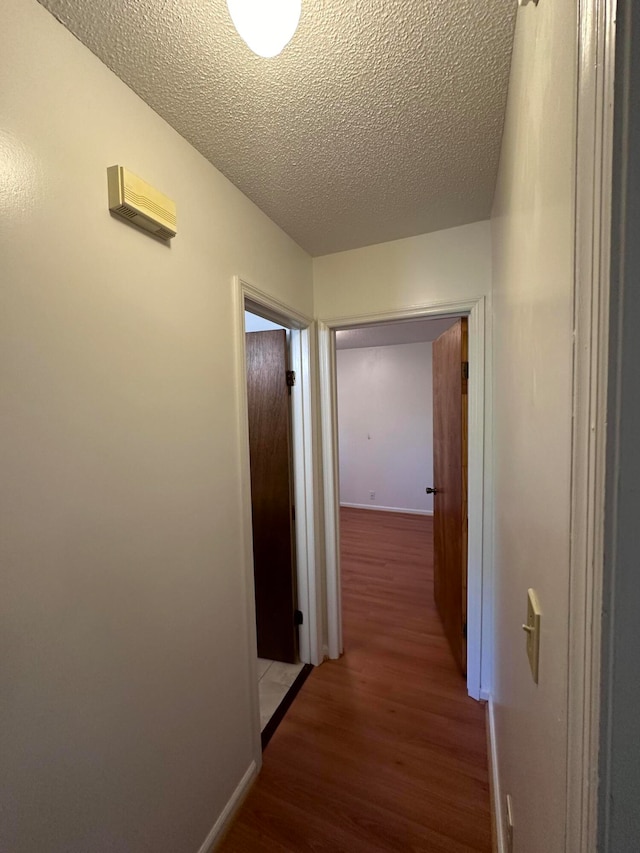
(532, 629)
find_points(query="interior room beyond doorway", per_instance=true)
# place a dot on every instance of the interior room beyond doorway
(402, 394)
(385, 415)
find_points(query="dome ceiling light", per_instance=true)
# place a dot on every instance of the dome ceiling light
(266, 26)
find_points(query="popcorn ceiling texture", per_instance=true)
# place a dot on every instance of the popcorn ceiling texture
(381, 119)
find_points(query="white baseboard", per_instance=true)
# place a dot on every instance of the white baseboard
(388, 508)
(229, 811)
(494, 773)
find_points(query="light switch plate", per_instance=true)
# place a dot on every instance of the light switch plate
(509, 819)
(532, 629)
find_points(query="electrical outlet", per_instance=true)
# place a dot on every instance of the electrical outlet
(509, 824)
(372, 496)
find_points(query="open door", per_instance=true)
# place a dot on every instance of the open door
(450, 374)
(268, 395)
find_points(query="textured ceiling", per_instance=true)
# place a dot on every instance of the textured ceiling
(389, 334)
(381, 119)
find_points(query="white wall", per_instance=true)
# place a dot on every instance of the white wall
(126, 721)
(533, 234)
(254, 323)
(444, 266)
(385, 425)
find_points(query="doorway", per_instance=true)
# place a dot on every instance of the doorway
(479, 655)
(269, 387)
(272, 316)
(402, 427)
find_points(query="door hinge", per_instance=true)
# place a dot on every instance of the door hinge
(298, 618)
(293, 512)
(291, 378)
(464, 630)
(465, 369)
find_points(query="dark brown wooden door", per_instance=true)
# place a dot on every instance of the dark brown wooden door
(272, 494)
(450, 354)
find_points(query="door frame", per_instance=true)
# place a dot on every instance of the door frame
(479, 579)
(591, 311)
(302, 340)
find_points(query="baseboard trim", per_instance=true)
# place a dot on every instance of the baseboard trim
(494, 782)
(223, 823)
(388, 509)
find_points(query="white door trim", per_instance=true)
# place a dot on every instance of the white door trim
(331, 492)
(479, 580)
(596, 60)
(302, 346)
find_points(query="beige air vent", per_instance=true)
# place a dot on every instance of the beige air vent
(135, 200)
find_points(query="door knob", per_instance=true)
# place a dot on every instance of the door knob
(431, 491)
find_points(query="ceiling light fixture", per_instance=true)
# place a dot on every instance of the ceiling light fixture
(267, 26)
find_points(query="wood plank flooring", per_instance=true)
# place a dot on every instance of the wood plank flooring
(382, 750)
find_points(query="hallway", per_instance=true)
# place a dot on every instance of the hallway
(382, 750)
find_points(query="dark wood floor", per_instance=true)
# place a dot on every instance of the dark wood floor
(382, 750)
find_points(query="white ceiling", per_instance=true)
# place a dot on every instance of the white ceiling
(390, 334)
(381, 119)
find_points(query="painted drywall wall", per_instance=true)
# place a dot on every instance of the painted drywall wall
(444, 266)
(533, 236)
(619, 793)
(126, 719)
(385, 426)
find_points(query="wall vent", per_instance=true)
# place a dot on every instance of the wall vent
(124, 211)
(137, 201)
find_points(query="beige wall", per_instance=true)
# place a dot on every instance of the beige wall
(126, 720)
(533, 228)
(444, 266)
